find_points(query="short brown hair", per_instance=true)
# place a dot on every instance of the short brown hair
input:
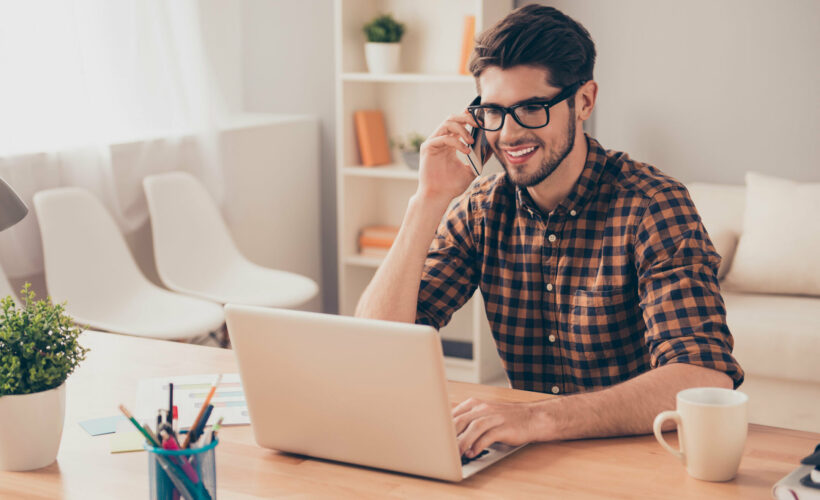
(537, 35)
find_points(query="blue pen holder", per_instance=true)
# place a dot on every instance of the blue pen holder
(191, 472)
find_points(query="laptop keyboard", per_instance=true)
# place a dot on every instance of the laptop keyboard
(466, 460)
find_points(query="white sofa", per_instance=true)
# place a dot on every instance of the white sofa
(777, 337)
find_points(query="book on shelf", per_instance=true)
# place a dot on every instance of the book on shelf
(375, 241)
(467, 44)
(372, 137)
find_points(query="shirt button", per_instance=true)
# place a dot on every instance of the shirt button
(549, 287)
(555, 389)
(552, 238)
(552, 338)
(573, 213)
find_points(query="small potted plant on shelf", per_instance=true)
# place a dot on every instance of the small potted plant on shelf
(383, 48)
(410, 149)
(38, 350)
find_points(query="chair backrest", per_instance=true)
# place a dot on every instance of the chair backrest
(87, 260)
(190, 236)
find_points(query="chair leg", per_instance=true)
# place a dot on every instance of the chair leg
(221, 336)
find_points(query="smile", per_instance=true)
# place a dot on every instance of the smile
(520, 155)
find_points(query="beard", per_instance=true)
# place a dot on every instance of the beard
(551, 161)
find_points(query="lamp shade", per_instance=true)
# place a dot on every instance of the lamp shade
(12, 208)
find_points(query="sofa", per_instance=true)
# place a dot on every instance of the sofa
(772, 307)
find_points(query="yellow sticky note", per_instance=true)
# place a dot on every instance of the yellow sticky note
(125, 441)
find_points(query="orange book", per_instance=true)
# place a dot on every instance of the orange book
(377, 237)
(467, 44)
(372, 137)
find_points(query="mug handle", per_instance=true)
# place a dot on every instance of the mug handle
(659, 420)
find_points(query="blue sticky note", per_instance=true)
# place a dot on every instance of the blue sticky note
(100, 426)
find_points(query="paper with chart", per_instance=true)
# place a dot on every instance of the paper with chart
(189, 393)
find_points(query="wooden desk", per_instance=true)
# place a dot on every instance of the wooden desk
(600, 468)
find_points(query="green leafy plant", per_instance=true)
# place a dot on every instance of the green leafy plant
(384, 29)
(412, 144)
(38, 345)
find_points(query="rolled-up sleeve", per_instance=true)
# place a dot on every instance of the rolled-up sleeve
(450, 272)
(680, 296)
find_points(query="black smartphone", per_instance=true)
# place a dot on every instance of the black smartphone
(481, 152)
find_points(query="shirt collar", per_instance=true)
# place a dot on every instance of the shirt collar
(585, 186)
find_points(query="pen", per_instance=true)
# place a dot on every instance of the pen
(169, 415)
(216, 428)
(200, 427)
(175, 420)
(205, 404)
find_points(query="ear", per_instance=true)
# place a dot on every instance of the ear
(585, 100)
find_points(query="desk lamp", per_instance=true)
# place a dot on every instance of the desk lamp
(12, 208)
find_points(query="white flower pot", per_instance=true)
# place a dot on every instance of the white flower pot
(31, 426)
(382, 57)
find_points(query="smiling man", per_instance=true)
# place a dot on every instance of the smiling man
(599, 280)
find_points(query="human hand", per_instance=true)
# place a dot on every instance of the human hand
(482, 423)
(442, 176)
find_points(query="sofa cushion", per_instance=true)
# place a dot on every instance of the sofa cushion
(721, 209)
(775, 335)
(778, 248)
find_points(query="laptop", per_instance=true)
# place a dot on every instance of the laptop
(360, 391)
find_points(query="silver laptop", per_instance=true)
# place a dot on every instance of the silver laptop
(353, 390)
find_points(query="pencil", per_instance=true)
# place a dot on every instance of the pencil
(142, 430)
(205, 404)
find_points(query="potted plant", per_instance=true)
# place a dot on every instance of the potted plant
(383, 48)
(38, 350)
(410, 149)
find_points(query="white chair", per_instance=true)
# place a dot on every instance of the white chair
(196, 255)
(88, 264)
(5, 287)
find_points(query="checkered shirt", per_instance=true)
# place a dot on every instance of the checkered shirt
(621, 277)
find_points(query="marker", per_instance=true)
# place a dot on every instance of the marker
(169, 443)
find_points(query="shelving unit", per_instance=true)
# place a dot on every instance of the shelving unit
(417, 100)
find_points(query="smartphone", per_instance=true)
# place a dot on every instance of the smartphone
(480, 148)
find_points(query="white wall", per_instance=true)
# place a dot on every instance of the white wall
(288, 67)
(706, 90)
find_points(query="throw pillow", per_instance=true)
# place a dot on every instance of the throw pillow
(779, 248)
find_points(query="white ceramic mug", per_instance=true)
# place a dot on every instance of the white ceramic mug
(712, 427)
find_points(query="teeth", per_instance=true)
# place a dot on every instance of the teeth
(521, 152)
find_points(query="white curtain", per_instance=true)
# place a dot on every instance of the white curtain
(83, 81)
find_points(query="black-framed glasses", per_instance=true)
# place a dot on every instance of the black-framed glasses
(534, 114)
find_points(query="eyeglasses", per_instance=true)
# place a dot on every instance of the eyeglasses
(535, 114)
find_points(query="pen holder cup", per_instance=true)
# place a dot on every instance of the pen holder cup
(182, 474)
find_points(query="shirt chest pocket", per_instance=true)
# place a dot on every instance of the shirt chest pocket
(603, 322)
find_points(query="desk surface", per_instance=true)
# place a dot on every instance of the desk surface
(599, 468)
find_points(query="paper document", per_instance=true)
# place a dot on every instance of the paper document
(189, 394)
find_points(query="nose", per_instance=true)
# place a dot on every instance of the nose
(510, 131)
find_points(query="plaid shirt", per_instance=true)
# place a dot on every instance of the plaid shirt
(621, 277)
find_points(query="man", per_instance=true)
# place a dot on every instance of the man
(597, 275)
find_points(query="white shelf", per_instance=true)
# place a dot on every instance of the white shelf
(407, 78)
(383, 172)
(412, 102)
(363, 261)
